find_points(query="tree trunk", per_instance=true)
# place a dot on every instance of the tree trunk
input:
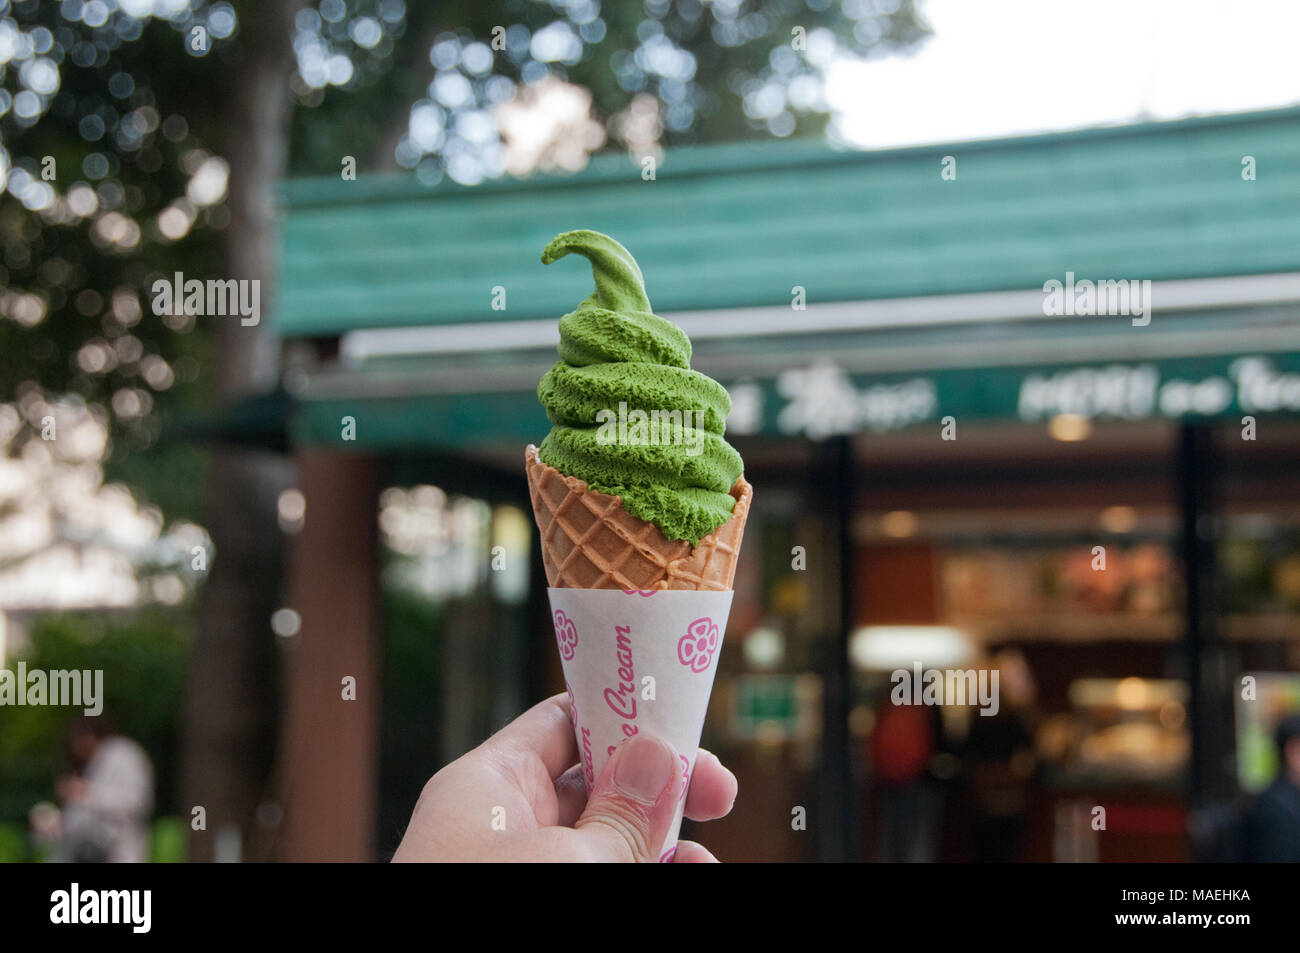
(230, 718)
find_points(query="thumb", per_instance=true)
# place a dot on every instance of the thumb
(633, 803)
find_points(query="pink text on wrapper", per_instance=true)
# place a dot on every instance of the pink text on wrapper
(586, 758)
(587, 766)
(622, 700)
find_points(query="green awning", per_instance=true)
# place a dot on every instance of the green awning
(740, 225)
(924, 295)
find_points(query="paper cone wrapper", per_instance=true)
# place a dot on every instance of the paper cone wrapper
(610, 640)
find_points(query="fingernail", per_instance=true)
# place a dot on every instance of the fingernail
(645, 767)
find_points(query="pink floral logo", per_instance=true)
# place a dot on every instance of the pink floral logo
(696, 648)
(640, 592)
(686, 776)
(668, 855)
(566, 634)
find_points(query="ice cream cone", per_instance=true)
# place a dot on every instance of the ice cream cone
(636, 656)
(590, 542)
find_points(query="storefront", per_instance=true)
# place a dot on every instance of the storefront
(1043, 412)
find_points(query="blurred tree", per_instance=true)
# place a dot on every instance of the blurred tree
(419, 86)
(139, 138)
(230, 721)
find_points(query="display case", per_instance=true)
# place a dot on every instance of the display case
(1124, 732)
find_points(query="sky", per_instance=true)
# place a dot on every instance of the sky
(1004, 67)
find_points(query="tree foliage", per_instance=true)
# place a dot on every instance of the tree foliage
(112, 146)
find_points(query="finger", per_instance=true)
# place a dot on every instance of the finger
(544, 731)
(713, 789)
(570, 795)
(634, 801)
(689, 852)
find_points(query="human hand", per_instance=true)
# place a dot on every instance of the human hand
(529, 771)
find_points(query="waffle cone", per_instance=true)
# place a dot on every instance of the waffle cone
(590, 542)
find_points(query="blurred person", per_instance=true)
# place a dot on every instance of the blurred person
(107, 798)
(1272, 822)
(530, 770)
(1001, 762)
(903, 744)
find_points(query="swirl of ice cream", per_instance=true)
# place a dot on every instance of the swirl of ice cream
(619, 361)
